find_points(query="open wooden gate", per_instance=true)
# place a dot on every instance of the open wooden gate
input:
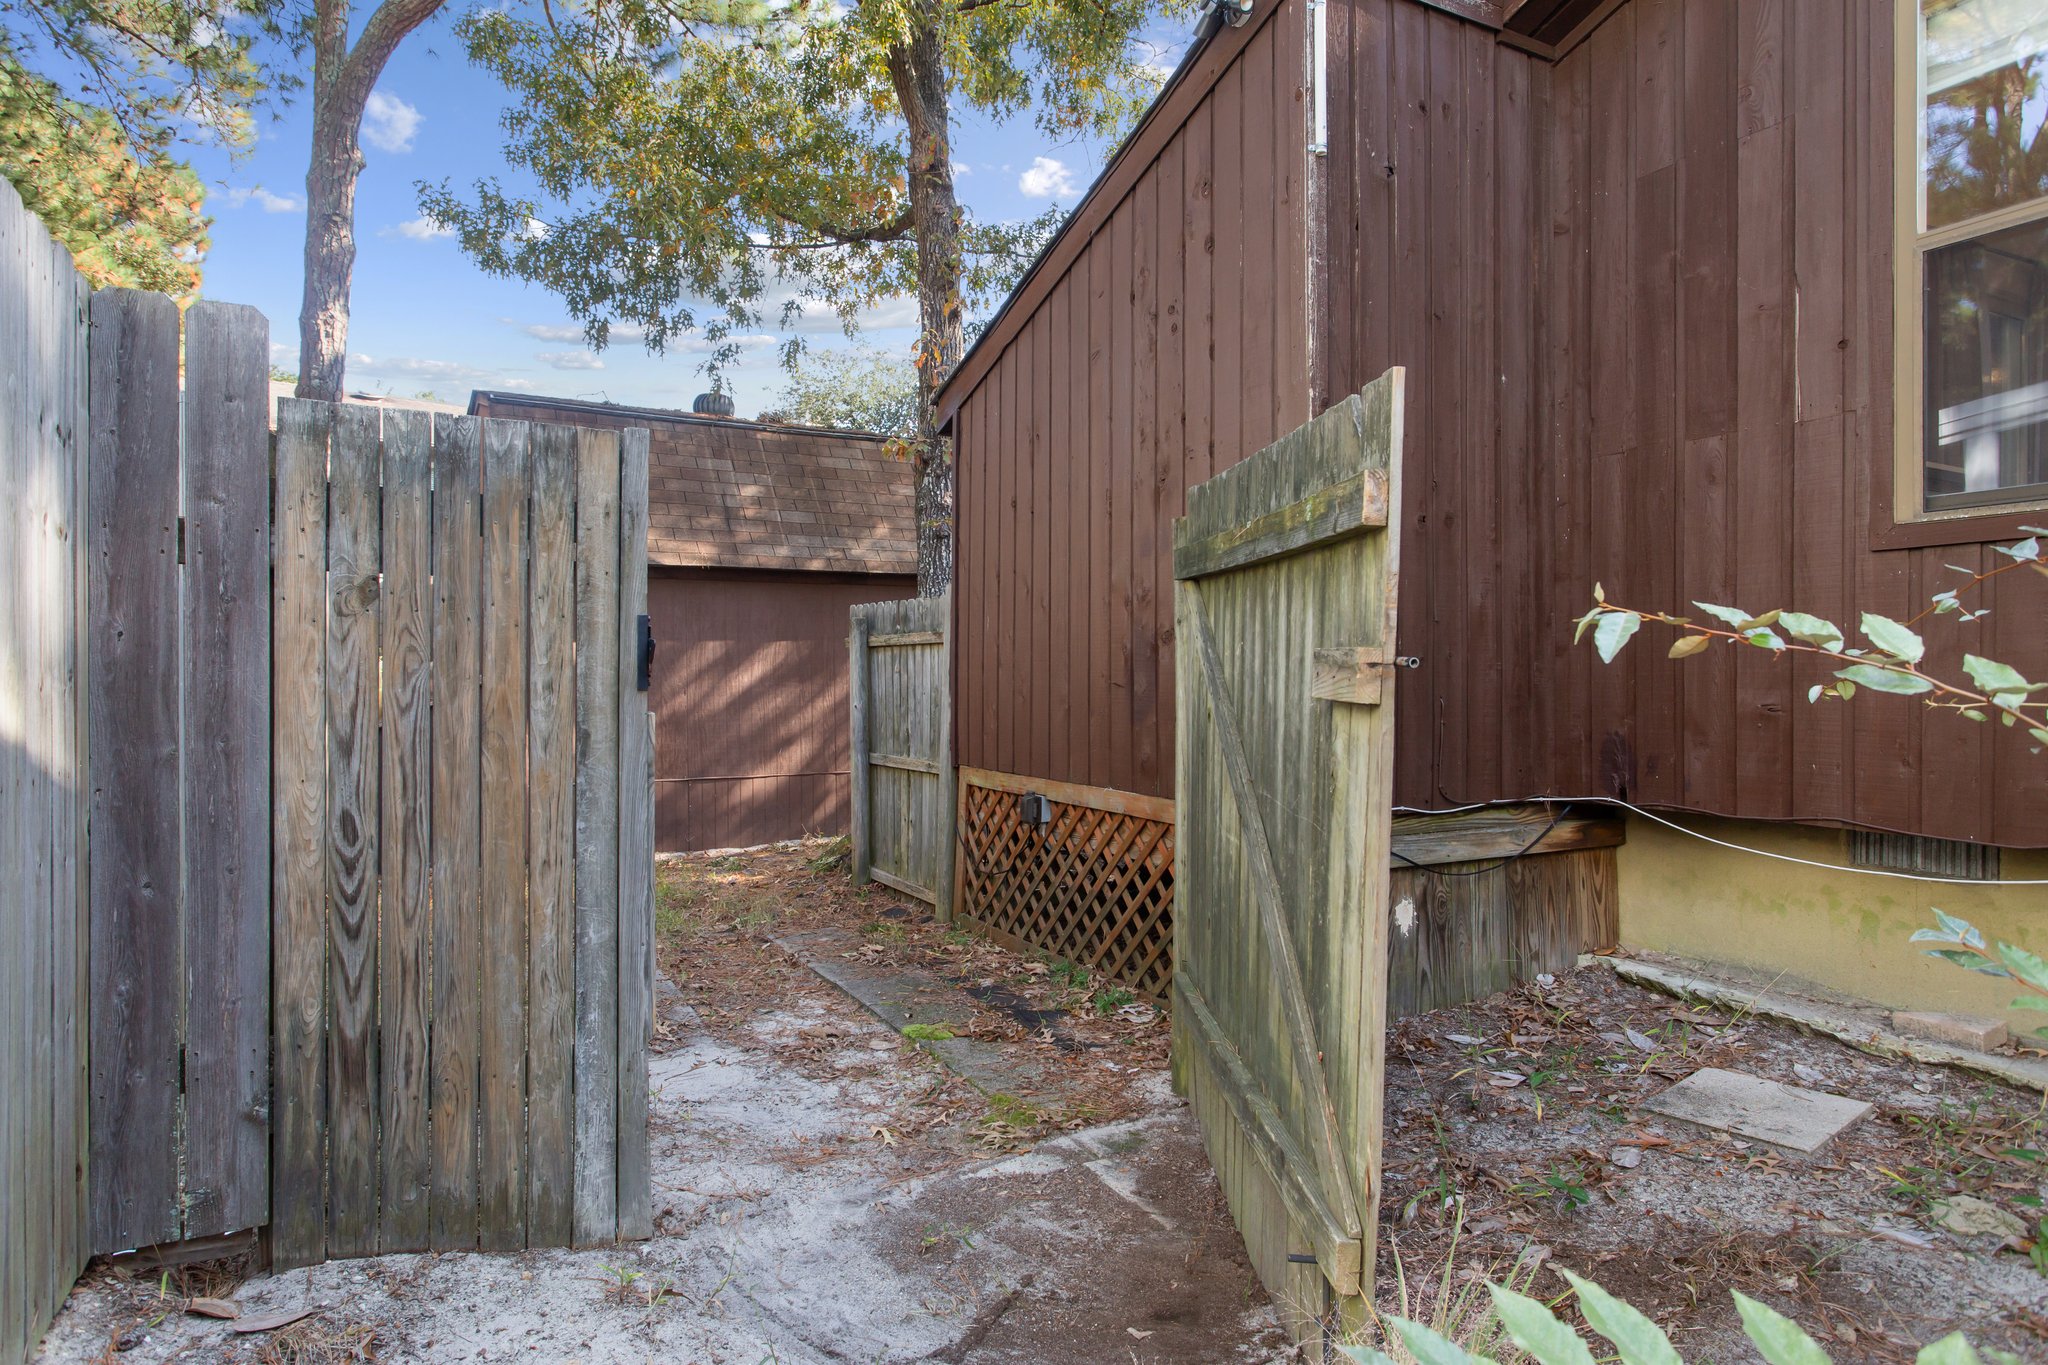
(1284, 617)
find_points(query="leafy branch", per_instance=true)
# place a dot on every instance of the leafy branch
(1893, 661)
(1965, 947)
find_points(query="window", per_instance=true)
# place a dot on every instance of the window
(1973, 266)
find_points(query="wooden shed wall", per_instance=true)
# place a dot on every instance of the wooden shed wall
(749, 694)
(1171, 342)
(1645, 299)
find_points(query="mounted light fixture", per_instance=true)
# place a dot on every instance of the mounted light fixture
(1034, 808)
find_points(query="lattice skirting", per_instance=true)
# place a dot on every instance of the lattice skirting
(1093, 886)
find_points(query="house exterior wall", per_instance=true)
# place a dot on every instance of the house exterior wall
(1645, 299)
(750, 703)
(1164, 338)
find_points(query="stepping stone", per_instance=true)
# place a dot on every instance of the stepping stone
(1783, 1115)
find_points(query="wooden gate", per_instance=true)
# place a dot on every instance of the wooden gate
(900, 685)
(1284, 617)
(371, 812)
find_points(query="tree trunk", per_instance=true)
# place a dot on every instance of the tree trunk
(918, 71)
(342, 80)
(330, 246)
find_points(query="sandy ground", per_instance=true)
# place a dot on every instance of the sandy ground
(827, 1191)
(824, 1192)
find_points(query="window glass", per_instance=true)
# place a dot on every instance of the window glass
(1982, 70)
(1987, 368)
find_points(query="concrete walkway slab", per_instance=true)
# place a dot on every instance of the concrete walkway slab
(901, 996)
(1783, 1115)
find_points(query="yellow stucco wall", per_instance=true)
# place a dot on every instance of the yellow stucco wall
(1838, 929)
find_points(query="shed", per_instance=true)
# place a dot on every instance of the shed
(760, 537)
(1655, 270)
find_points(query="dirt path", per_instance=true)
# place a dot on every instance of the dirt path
(1513, 1136)
(824, 1190)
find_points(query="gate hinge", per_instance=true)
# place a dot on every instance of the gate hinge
(644, 677)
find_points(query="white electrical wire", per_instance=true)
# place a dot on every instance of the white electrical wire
(1743, 848)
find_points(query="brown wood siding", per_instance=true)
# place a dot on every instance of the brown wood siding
(1644, 296)
(750, 699)
(1170, 343)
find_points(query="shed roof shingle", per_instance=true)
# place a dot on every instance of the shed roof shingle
(733, 494)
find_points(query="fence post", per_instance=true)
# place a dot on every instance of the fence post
(857, 693)
(942, 883)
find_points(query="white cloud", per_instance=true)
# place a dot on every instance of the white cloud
(961, 168)
(420, 229)
(569, 331)
(569, 360)
(389, 123)
(265, 200)
(413, 367)
(1047, 178)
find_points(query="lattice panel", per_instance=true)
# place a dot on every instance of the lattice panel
(1093, 886)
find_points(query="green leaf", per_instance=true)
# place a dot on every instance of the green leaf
(1813, 693)
(1365, 1355)
(2025, 966)
(1769, 618)
(1893, 638)
(1734, 616)
(1845, 690)
(1953, 1349)
(1994, 676)
(1536, 1330)
(2028, 549)
(1428, 1346)
(1613, 632)
(1964, 931)
(1585, 621)
(1931, 936)
(1764, 638)
(2028, 1002)
(1640, 1341)
(1780, 1339)
(1969, 962)
(1880, 679)
(1685, 646)
(1812, 630)
(2038, 732)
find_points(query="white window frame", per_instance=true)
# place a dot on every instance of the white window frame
(1912, 241)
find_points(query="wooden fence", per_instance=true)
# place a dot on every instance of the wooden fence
(42, 763)
(464, 854)
(345, 928)
(900, 689)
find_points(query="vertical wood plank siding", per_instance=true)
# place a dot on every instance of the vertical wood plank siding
(1643, 297)
(1173, 344)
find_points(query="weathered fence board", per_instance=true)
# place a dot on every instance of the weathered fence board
(405, 940)
(636, 847)
(133, 651)
(901, 723)
(298, 897)
(43, 589)
(551, 835)
(354, 514)
(225, 660)
(501, 1142)
(597, 850)
(457, 1039)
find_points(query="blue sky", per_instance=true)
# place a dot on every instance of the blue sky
(425, 320)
